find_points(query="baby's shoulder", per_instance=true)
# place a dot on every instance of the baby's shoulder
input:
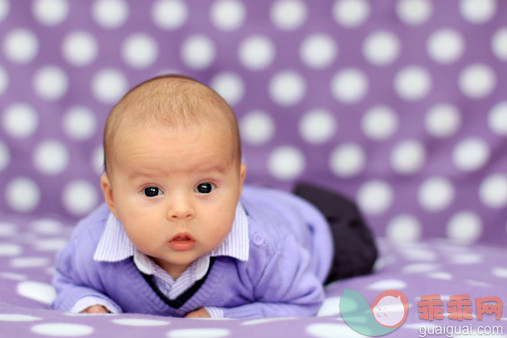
(88, 231)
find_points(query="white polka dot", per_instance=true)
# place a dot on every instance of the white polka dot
(420, 267)
(465, 226)
(47, 226)
(97, 160)
(375, 197)
(13, 276)
(50, 244)
(211, 333)
(230, 86)
(198, 52)
(5, 156)
(267, 320)
(465, 259)
(22, 194)
(351, 13)
(497, 118)
(349, 85)
(41, 292)
(109, 85)
(477, 81)
(14, 317)
(79, 197)
(21, 45)
(169, 14)
(379, 123)
(499, 272)
(439, 275)
(499, 44)
(317, 126)
(50, 157)
(110, 13)
(4, 9)
(477, 11)
(7, 229)
(381, 48)
(415, 254)
(139, 50)
(435, 194)
(286, 162)
(327, 330)
(387, 284)
(404, 228)
(4, 81)
(79, 123)
(479, 284)
(442, 120)
(256, 52)
(445, 46)
(414, 12)
(50, 12)
(330, 307)
(30, 262)
(470, 154)
(412, 83)
(20, 120)
(347, 160)
(80, 48)
(10, 250)
(318, 51)
(139, 322)
(493, 191)
(257, 127)
(287, 88)
(50, 83)
(227, 15)
(62, 329)
(288, 14)
(408, 157)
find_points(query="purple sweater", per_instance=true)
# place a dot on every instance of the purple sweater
(290, 256)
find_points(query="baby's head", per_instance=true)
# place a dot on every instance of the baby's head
(173, 169)
(174, 101)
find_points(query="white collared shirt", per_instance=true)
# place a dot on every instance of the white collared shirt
(115, 246)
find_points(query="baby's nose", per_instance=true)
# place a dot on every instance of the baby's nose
(180, 209)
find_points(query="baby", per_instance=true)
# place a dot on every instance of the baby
(179, 235)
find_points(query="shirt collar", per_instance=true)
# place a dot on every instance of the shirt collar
(114, 244)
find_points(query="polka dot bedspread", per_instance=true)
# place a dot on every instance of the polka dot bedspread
(399, 104)
(27, 250)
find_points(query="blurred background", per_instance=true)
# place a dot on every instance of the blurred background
(399, 104)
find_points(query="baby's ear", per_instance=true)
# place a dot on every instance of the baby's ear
(107, 189)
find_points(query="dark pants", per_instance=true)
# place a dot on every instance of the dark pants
(355, 251)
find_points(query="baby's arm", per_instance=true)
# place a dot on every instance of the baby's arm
(74, 286)
(287, 286)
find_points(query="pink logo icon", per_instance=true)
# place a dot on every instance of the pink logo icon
(390, 308)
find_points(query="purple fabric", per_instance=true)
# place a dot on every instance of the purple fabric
(416, 269)
(400, 104)
(436, 153)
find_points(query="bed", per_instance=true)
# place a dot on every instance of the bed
(399, 105)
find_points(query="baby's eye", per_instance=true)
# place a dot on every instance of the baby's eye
(205, 188)
(151, 191)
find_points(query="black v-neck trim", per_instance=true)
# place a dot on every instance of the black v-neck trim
(185, 296)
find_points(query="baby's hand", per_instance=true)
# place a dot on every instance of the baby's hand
(95, 309)
(201, 313)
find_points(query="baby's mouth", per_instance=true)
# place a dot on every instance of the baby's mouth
(182, 241)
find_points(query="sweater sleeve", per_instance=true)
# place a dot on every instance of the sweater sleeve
(71, 280)
(287, 286)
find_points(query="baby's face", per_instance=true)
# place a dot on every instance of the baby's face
(174, 191)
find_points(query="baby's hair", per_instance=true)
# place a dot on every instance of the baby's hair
(173, 101)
